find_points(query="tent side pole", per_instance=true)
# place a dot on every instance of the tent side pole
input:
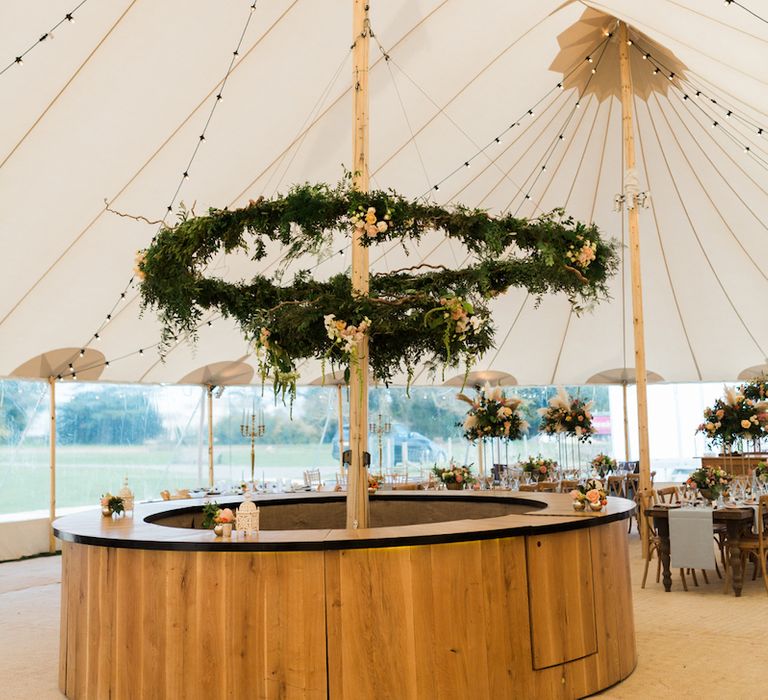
(210, 434)
(52, 438)
(637, 288)
(340, 409)
(357, 482)
(626, 421)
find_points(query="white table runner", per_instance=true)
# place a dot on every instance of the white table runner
(690, 538)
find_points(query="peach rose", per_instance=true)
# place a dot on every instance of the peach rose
(593, 496)
(575, 493)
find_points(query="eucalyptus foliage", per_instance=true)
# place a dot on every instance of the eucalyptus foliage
(409, 310)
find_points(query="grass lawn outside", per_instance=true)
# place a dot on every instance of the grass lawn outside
(83, 473)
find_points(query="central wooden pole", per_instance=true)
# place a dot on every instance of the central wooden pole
(637, 287)
(52, 501)
(357, 481)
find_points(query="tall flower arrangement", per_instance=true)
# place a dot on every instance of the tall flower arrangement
(493, 415)
(734, 416)
(567, 415)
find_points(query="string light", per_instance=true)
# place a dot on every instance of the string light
(728, 3)
(528, 113)
(72, 374)
(737, 137)
(69, 17)
(185, 172)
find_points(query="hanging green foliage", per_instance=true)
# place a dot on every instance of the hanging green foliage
(424, 314)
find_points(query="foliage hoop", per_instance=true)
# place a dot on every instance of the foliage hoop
(438, 316)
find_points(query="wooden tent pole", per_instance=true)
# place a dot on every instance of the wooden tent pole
(210, 435)
(637, 288)
(357, 482)
(626, 421)
(52, 438)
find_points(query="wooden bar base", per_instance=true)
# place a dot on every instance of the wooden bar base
(540, 614)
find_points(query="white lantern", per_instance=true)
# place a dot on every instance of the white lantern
(247, 517)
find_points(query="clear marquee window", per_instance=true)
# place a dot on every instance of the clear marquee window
(157, 436)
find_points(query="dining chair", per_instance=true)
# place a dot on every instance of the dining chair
(529, 487)
(645, 500)
(615, 485)
(547, 486)
(312, 477)
(631, 488)
(568, 485)
(756, 544)
(668, 494)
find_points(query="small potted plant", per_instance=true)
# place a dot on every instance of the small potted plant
(761, 472)
(111, 505)
(454, 476)
(225, 517)
(591, 495)
(210, 511)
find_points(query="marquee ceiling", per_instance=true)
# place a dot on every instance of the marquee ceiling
(113, 106)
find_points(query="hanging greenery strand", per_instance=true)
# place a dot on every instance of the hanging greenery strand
(422, 314)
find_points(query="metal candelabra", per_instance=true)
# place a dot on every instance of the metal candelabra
(380, 428)
(249, 428)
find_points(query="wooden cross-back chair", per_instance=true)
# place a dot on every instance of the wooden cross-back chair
(756, 544)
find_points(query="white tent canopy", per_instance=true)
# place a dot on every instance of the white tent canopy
(113, 106)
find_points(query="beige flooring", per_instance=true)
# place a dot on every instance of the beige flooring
(701, 644)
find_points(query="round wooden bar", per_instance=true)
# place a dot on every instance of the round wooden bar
(482, 595)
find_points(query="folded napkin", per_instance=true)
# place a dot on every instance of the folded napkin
(690, 537)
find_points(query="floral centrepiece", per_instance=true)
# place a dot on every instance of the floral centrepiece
(493, 415)
(539, 468)
(590, 495)
(711, 481)
(424, 314)
(603, 464)
(454, 474)
(567, 415)
(761, 472)
(734, 416)
(112, 505)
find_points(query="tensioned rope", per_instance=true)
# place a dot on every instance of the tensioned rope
(728, 3)
(337, 100)
(66, 85)
(683, 152)
(744, 141)
(542, 166)
(664, 259)
(698, 239)
(592, 209)
(185, 175)
(671, 39)
(759, 186)
(131, 180)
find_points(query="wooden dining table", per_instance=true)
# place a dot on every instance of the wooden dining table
(737, 522)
